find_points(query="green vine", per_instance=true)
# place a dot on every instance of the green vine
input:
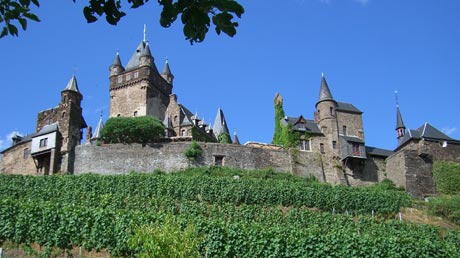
(193, 151)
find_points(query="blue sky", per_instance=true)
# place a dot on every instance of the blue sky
(366, 48)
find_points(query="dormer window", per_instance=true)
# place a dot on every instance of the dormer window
(136, 74)
(128, 76)
(43, 142)
(120, 79)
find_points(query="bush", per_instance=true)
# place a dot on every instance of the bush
(224, 138)
(447, 177)
(143, 129)
(165, 240)
(447, 207)
(193, 151)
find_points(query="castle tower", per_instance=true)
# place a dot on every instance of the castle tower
(325, 116)
(67, 121)
(70, 120)
(138, 89)
(166, 74)
(400, 127)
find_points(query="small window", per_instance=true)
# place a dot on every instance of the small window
(136, 75)
(43, 142)
(184, 132)
(319, 114)
(219, 161)
(135, 113)
(128, 76)
(118, 115)
(334, 145)
(176, 119)
(331, 111)
(63, 115)
(356, 151)
(321, 147)
(26, 153)
(50, 121)
(304, 145)
(120, 79)
(344, 130)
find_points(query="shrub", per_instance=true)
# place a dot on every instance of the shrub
(447, 177)
(165, 240)
(224, 138)
(447, 207)
(193, 151)
(143, 129)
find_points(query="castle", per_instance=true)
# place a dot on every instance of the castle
(331, 146)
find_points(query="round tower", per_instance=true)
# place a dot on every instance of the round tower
(116, 68)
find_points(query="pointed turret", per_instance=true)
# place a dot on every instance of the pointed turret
(220, 125)
(400, 127)
(72, 85)
(97, 132)
(71, 92)
(116, 67)
(324, 91)
(166, 74)
(235, 139)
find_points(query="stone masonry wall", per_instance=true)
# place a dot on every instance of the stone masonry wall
(120, 158)
(13, 161)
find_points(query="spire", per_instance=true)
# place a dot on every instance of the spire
(220, 125)
(166, 69)
(145, 33)
(146, 50)
(235, 139)
(166, 74)
(399, 120)
(324, 92)
(400, 127)
(116, 60)
(97, 132)
(72, 85)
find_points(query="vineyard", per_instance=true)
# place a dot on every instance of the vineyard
(213, 212)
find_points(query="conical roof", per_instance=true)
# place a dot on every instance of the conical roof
(235, 139)
(399, 120)
(146, 51)
(220, 125)
(97, 131)
(324, 91)
(116, 60)
(166, 69)
(72, 85)
(134, 61)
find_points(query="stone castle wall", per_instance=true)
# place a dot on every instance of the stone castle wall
(16, 162)
(121, 158)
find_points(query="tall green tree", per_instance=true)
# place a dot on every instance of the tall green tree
(279, 114)
(196, 15)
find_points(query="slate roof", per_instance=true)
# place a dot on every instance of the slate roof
(97, 131)
(47, 129)
(26, 138)
(399, 120)
(378, 151)
(166, 69)
(426, 132)
(352, 139)
(220, 124)
(116, 60)
(187, 116)
(72, 85)
(347, 107)
(324, 91)
(235, 139)
(297, 125)
(134, 61)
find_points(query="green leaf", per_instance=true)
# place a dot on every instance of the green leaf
(89, 15)
(23, 23)
(36, 3)
(32, 17)
(4, 32)
(25, 2)
(12, 29)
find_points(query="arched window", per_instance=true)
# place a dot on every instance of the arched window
(63, 114)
